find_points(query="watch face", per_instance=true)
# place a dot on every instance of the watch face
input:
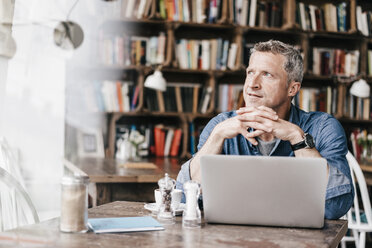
(309, 141)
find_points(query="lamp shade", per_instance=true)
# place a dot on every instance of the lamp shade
(360, 88)
(68, 35)
(156, 81)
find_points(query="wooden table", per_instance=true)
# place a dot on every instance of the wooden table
(46, 234)
(109, 181)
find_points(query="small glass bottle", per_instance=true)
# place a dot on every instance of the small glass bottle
(74, 204)
(165, 214)
(191, 215)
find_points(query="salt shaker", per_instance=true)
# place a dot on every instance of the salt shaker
(191, 215)
(74, 209)
(165, 214)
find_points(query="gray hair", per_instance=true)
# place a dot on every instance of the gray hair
(293, 65)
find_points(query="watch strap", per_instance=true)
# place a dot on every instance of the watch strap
(307, 142)
(299, 145)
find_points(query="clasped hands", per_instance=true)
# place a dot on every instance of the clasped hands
(263, 120)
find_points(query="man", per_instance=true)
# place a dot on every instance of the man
(270, 125)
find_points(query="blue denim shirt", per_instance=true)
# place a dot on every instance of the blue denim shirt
(330, 141)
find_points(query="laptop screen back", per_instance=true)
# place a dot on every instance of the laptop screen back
(257, 190)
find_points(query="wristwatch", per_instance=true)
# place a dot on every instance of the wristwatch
(307, 142)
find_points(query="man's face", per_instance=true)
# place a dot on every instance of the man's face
(266, 81)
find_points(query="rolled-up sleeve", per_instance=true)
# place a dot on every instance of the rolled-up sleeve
(332, 145)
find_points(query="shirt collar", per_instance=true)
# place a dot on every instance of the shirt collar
(294, 115)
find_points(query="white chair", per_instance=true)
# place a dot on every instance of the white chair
(16, 208)
(356, 226)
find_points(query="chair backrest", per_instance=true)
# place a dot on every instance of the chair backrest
(16, 208)
(355, 221)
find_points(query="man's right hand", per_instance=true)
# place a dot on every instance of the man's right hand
(254, 117)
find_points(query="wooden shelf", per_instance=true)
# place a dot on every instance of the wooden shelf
(269, 29)
(354, 121)
(334, 35)
(366, 168)
(310, 76)
(165, 114)
(150, 69)
(289, 33)
(202, 25)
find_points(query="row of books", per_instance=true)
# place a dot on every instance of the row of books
(364, 21)
(329, 17)
(117, 96)
(256, 13)
(136, 8)
(335, 101)
(230, 97)
(160, 140)
(134, 50)
(359, 108)
(214, 54)
(333, 17)
(317, 99)
(179, 97)
(351, 106)
(243, 12)
(167, 141)
(328, 61)
(198, 11)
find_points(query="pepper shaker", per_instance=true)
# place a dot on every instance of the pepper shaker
(165, 214)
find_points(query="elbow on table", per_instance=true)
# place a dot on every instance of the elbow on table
(337, 207)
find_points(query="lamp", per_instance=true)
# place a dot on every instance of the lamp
(360, 88)
(68, 35)
(156, 81)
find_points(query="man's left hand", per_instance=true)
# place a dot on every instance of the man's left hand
(281, 129)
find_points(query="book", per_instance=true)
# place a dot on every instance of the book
(205, 99)
(135, 97)
(159, 138)
(176, 142)
(192, 138)
(232, 56)
(205, 54)
(252, 13)
(178, 99)
(120, 96)
(195, 99)
(125, 96)
(302, 16)
(124, 224)
(129, 8)
(244, 13)
(168, 142)
(312, 17)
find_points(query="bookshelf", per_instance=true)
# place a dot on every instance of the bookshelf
(208, 29)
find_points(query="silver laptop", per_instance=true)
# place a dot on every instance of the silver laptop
(271, 191)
